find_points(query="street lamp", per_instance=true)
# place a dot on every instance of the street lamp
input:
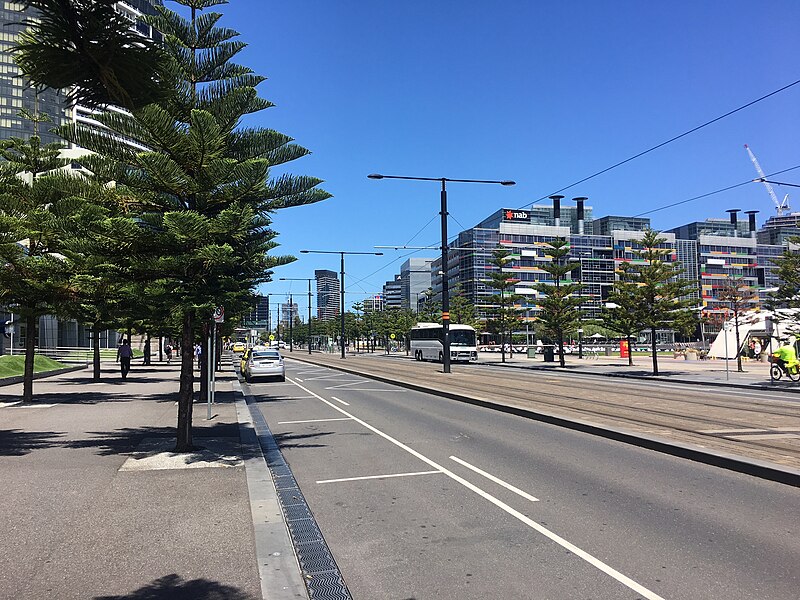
(309, 303)
(341, 254)
(445, 282)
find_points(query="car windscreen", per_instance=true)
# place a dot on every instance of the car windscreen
(265, 356)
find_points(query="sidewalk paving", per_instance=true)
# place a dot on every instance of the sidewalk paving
(95, 505)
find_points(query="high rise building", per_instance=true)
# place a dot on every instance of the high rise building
(393, 293)
(415, 275)
(328, 294)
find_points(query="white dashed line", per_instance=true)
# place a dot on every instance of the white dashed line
(313, 421)
(342, 401)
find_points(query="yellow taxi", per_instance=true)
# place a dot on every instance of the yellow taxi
(238, 347)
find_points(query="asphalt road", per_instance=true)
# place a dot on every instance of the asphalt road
(423, 497)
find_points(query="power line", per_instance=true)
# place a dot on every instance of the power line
(656, 147)
(719, 191)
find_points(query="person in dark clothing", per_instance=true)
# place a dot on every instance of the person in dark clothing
(124, 354)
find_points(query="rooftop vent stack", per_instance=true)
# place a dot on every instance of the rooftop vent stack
(751, 221)
(580, 200)
(556, 209)
(734, 219)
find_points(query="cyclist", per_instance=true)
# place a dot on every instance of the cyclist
(786, 358)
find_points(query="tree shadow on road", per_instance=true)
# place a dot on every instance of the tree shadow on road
(174, 587)
(289, 440)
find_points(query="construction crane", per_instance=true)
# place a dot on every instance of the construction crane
(780, 207)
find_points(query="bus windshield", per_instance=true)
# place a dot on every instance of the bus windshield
(462, 337)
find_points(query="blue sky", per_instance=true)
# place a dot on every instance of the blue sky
(541, 92)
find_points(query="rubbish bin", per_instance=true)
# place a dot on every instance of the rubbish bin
(531, 351)
(608, 350)
(549, 355)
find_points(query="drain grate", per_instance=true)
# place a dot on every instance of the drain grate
(320, 573)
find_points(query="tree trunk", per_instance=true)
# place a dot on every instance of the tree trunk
(96, 352)
(561, 349)
(31, 322)
(186, 393)
(654, 349)
(630, 351)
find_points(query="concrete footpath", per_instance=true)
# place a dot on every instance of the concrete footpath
(96, 506)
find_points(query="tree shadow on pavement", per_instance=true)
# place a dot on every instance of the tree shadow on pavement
(126, 441)
(16, 442)
(174, 587)
(89, 397)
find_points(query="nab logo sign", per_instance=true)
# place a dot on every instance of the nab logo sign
(516, 215)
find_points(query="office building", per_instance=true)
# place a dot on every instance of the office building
(393, 293)
(373, 303)
(415, 275)
(328, 294)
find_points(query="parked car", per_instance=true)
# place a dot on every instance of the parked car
(264, 362)
(238, 347)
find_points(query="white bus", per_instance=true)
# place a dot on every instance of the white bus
(426, 342)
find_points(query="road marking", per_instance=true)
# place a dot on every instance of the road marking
(765, 436)
(298, 379)
(36, 406)
(7, 404)
(723, 431)
(378, 476)
(313, 421)
(497, 480)
(597, 563)
(342, 401)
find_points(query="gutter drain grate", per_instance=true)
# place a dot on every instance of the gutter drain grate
(321, 575)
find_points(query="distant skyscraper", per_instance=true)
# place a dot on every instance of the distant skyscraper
(328, 291)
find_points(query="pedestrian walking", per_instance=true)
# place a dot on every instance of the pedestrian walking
(147, 352)
(168, 352)
(124, 354)
(198, 352)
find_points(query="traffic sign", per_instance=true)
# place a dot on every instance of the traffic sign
(271, 337)
(219, 314)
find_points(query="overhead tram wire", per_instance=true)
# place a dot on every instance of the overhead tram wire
(719, 191)
(656, 147)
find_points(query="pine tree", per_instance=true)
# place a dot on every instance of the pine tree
(663, 299)
(622, 314)
(504, 316)
(37, 200)
(787, 296)
(198, 185)
(559, 306)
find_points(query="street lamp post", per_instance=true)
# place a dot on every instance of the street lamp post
(291, 318)
(341, 292)
(445, 281)
(309, 280)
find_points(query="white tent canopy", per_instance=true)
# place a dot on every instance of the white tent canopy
(752, 324)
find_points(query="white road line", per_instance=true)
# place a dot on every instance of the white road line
(342, 401)
(377, 477)
(597, 563)
(497, 480)
(298, 379)
(313, 421)
(7, 404)
(36, 406)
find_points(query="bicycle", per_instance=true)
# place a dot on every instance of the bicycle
(779, 369)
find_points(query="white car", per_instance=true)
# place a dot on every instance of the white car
(264, 362)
